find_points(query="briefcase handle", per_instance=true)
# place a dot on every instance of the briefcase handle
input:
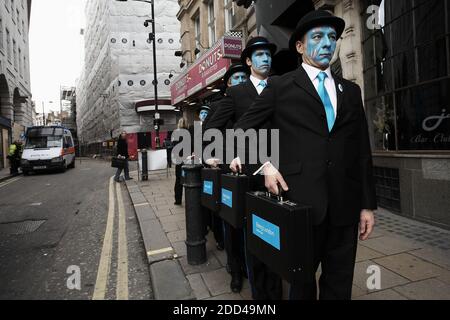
(279, 197)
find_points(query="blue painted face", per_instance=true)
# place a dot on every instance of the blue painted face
(261, 62)
(203, 114)
(238, 78)
(320, 45)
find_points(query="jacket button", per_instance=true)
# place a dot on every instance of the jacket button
(329, 163)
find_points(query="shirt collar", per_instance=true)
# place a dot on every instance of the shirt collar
(313, 71)
(256, 81)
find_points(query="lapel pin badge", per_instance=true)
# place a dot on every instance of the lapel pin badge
(341, 88)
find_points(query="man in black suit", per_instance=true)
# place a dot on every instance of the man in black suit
(325, 158)
(257, 55)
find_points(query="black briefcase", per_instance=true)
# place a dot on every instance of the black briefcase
(279, 233)
(233, 197)
(210, 196)
(118, 162)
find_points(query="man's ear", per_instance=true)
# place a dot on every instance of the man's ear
(248, 61)
(300, 47)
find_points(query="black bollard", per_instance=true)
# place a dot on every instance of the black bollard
(144, 165)
(195, 225)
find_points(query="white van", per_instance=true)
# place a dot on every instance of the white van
(48, 148)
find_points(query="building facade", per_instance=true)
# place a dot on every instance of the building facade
(398, 52)
(16, 110)
(115, 91)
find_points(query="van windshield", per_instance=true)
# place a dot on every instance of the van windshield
(44, 142)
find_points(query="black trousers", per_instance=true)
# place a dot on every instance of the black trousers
(178, 188)
(235, 248)
(335, 249)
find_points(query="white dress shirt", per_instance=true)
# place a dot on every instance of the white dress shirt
(313, 72)
(256, 83)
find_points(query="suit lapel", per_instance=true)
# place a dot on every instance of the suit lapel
(251, 90)
(339, 92)
(303, 81)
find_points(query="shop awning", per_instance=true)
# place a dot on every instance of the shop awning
(209, 68)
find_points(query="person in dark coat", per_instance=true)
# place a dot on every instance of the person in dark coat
(257, 56)
(178, 187)
(122, 152)
(324, 153)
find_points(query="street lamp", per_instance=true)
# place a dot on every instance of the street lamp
(156, 121)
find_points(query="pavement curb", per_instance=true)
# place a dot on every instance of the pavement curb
(168, 279)
(9, 177)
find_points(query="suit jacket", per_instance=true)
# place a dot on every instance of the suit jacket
(122, 148)
(230, 109)
(331, 171)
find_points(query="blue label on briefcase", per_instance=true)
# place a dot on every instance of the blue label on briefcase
(183, 174)
(266, 231)
(227, 197)
(208, 187)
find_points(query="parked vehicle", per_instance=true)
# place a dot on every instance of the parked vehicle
(48, 148)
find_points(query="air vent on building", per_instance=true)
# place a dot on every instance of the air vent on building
(124, 40)
(130, 83)
(120, 83)
(160, 40)
(143, 83)
(113, 40)
(170, 40)
(134, 43)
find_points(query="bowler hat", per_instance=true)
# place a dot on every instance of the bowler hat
(256, 43)
(314, 19)
(235, 67)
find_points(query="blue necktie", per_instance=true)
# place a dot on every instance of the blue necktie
(263, 84)
(323, 94)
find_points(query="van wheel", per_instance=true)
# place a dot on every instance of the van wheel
(26, 172)
(72, 165)
(63, 167)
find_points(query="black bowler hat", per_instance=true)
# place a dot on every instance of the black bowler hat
(235, 67)
(256, 43)
(314, 19)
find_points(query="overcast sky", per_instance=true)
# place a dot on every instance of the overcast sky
(55, 48)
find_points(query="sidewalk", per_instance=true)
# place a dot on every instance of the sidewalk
(413, 257)
(5, 175)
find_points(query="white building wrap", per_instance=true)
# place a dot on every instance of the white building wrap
(118, 66)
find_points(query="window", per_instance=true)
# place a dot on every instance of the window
(407, 74)
(1, 33)
(15, 54)
(13, 11)
(211, 23)
(23, 29)
(8, 45)
(18, 19)
(229, 13)
(198, 34)
(25, 68)
(20, 63)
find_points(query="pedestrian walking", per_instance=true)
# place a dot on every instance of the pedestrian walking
(122, 153)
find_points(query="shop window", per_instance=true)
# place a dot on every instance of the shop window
(432, 60)
(406, 75)
(424, 117)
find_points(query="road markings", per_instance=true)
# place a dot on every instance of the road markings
(141, 204)
(9, 181)
(106, 255)
(122, 257)
(36, 204)
(164, 250)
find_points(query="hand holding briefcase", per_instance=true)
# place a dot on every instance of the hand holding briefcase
(279, 233)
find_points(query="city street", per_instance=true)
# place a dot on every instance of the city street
(58, 228)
